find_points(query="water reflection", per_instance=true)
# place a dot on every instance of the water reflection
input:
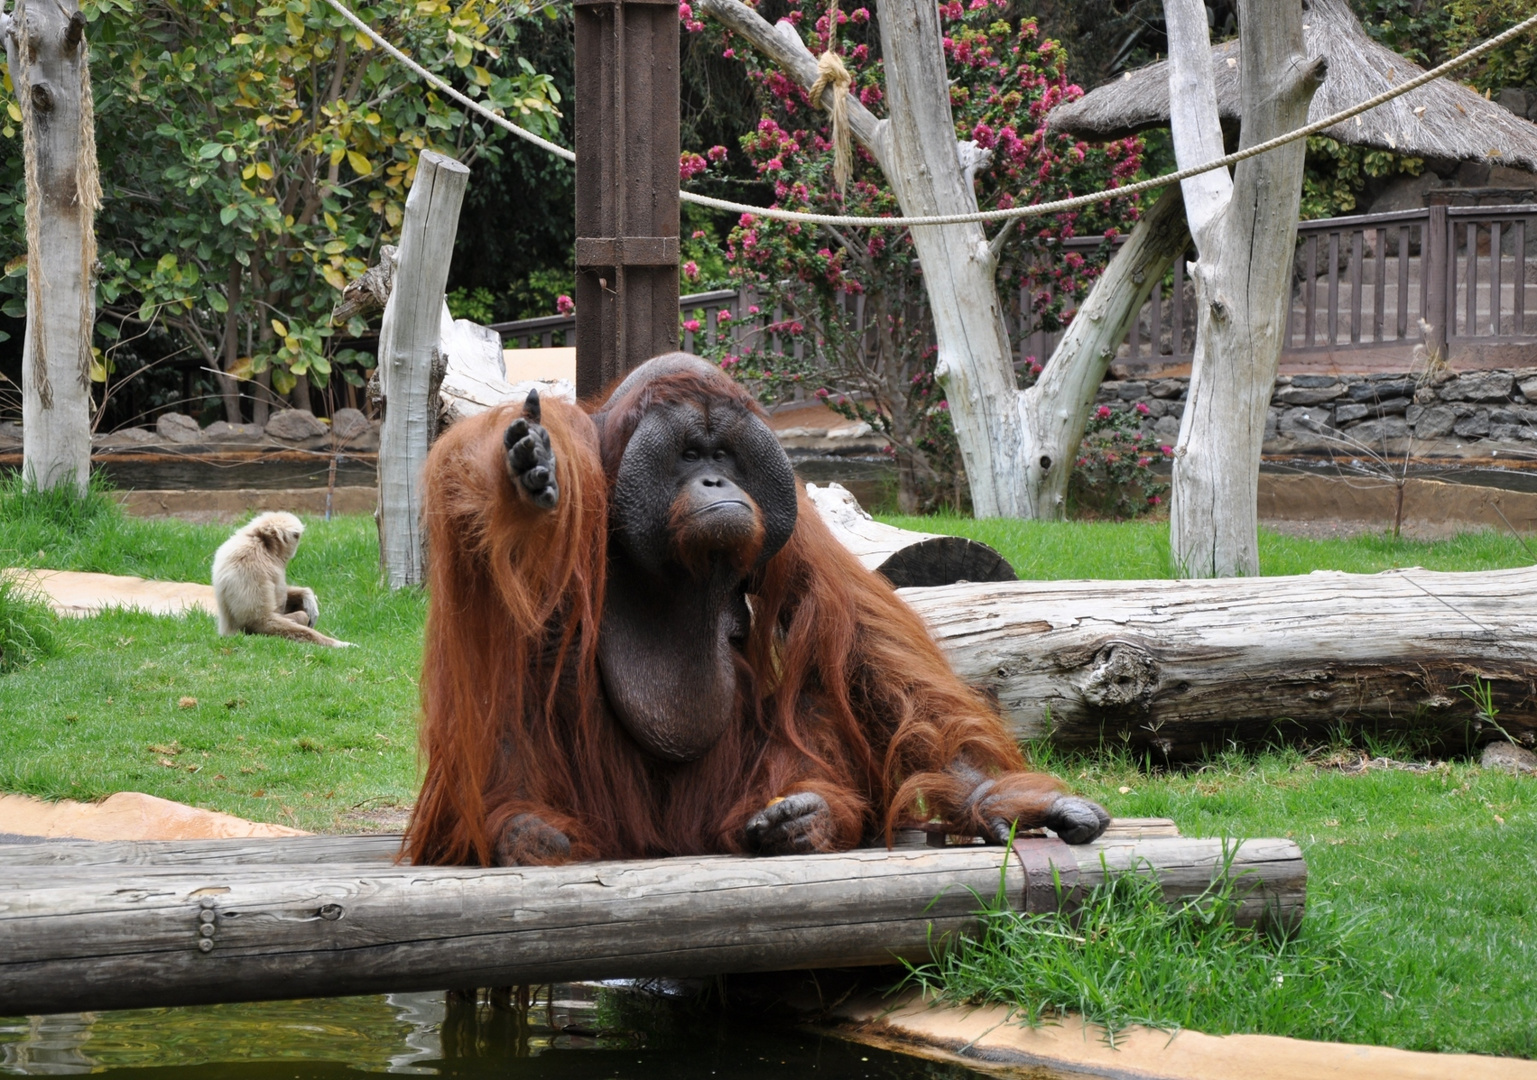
(576, 1032)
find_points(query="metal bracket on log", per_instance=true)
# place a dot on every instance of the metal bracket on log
(627, 144)
(1051, 875)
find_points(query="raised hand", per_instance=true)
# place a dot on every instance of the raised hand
(795, 825)
(530, 461)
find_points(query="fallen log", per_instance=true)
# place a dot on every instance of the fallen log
(79, 938)
(904, 557)
(1177, 668)
(364, 849)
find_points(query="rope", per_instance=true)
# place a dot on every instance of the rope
(831, 74)
(1034, 209)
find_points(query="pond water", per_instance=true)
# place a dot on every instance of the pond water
(584, 1033)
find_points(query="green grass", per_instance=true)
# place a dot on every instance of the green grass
(1125, 957)
(260, 727)
(26, 625)
(1422, 926)
(1044, 551)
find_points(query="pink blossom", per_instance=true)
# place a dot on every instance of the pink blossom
(1142, 408)
(691, 271)
(692, 326)
(685, 12)
(1103, 412)
(717, 154)
(729, 54)
(1166, 451)
(1153, 500)
(564, 304)
(723, 316)
(822, 393)
(753, 309)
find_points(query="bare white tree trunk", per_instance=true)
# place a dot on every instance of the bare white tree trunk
(409, 350)
(1245, 238)
(1018, 445)
(46, 50)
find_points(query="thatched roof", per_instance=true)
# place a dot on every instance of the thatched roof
(1442, 119)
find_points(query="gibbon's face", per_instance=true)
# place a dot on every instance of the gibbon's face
(281, 535)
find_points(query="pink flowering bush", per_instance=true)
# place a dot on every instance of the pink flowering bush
(1114, 474)
(853, 300)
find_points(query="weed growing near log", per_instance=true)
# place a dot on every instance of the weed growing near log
(1127, 958)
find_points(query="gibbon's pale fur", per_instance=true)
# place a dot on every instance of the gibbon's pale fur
(250, 589)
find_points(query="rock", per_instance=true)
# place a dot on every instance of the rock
(1503, 176)
(1306, 395)
(222, 431)
(1379, 391)
(1157, 408)
(1177, 409)
(1473, 426)
(1433, 422)
(9, 434)
(1312, 382)
(1343, 414)
(1131, 391)
(294, 425)
(1405, 193)
(1479, 386)
(1515, 100)
(1505, 432)
(1304, 421)
(1514, 414)
(348, 424)
(1167, 429)
(1175, 388)
(1529, 386)
(1376, 432)
(1506, 755)
(178, 427)
(1108, 392)
(1391, 407)
(1472, 174)
(122, 437)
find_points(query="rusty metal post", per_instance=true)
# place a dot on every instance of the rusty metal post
(627, 145)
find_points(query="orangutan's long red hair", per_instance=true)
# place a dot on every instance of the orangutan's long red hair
(843, 692)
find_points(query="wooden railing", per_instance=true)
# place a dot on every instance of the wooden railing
(1365, 282)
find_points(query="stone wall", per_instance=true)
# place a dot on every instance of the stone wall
(1471, 414)
(293, 429)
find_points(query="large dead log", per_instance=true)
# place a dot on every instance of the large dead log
(905, 558)
(1178, 667)
(76, 938)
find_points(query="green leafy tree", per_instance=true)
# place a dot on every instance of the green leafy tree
(254, 156)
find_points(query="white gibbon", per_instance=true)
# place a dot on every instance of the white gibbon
(249, 587)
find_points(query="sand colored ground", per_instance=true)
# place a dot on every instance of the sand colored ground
(986, 1037)
(128, 815)
(78, 594)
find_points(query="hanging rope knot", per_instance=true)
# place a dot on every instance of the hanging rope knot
(831, 74)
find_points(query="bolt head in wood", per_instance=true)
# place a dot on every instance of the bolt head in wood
(205, 945)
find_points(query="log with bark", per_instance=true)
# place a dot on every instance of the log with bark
(1178, 668)
(76, 938)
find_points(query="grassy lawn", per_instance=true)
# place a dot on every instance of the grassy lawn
(1422, 929)
(255, 726)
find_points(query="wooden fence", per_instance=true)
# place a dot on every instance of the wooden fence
(1362, 287)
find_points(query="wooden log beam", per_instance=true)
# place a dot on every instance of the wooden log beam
(374, 848)
(104, 937)
(409, 351)
(1178, 667)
